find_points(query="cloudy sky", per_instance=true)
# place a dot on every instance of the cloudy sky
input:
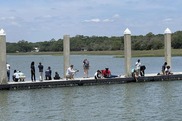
(42, 20)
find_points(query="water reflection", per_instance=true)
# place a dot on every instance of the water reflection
(134, 101)
(129, 102)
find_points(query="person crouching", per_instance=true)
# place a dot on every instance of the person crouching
(70, 73)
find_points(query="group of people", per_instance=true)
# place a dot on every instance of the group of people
(140, 70)
(166, 70)
(106, 73)
(17, 75)
(48, 72)
(71, 72)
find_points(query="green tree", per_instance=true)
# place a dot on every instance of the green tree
(24, 46)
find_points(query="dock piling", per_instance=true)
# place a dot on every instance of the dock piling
(66, 51)
(167, 46)
(127, 52)
(3, 71)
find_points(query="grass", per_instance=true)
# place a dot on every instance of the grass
(118, 53)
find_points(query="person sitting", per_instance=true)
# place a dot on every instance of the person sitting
(107, 73)
(56, 76)
(134, 74)
(98, 74)
(48, 74)
(21, 76)
(70, 73)
(18, 75)
(15, 76)
(168, 71)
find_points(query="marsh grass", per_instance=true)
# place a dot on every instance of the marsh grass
(118, 53)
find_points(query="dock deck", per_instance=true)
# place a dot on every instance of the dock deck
(87, 81)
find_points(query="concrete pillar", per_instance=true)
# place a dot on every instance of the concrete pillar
(127, 52)
(66, 46)
(3, 71)
(167, 46)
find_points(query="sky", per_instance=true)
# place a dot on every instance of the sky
(43, 20)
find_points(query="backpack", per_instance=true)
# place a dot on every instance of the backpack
(86, 63)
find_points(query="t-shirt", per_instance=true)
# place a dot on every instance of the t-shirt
(70, 71)
(48, 73)
(137, 65)
(8, 66)
(106, 73)
(40, 68)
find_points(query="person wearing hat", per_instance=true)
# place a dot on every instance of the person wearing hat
(70, 73)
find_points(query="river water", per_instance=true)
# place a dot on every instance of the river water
(159, 101)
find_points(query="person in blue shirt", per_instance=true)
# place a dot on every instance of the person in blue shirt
(48, 73)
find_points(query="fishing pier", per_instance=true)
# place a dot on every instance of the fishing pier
(87, 82)
(126, 78)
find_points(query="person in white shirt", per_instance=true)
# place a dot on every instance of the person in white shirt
(98, 74)
(18, 76)
(137, 67)
(70, 73)
(8, 71)
(168, 70)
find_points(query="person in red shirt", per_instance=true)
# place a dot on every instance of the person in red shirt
(106, 73)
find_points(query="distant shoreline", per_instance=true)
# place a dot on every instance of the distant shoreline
(118, 53)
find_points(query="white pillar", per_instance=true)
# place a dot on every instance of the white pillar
(127, 52)
(167, 46)
(3, 71)
(66, 47)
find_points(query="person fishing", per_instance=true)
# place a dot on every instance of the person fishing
(70, 72)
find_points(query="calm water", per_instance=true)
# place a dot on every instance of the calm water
(116, 65)
(159, 101)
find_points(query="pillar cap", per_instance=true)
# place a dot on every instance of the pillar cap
(167, 31)
(127, 31)
(2, 32)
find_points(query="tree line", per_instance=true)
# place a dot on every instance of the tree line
(149, 41)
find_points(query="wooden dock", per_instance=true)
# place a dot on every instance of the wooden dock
(86, 82)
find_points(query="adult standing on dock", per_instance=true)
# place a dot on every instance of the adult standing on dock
(85, 68)
(8, 71)
(137, 67)
(41, 68)
(32, 67)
